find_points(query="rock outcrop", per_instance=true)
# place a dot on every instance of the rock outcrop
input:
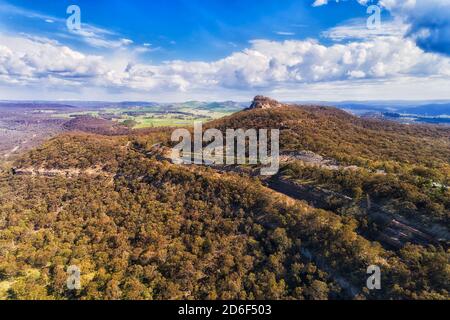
(261, 102)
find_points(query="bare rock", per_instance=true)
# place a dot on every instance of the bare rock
(261, 102)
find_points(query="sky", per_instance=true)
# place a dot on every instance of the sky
(179, 50)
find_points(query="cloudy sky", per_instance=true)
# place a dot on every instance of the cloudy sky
(175, 50)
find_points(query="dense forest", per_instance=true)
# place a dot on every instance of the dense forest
(347, 138)
(139, 227)
(409, 192)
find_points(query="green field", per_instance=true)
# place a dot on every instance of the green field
(168, 121)
(149, 117)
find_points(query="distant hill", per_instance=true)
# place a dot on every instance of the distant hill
(419, 108)
(34, 106)
(230, 106)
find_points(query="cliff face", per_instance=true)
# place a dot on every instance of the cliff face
(261, 102)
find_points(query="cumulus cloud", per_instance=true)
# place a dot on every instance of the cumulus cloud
(269, 62)
(428, 20)
(26, 61)
(265, 64)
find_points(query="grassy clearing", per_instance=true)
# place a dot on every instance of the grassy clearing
(166, 122)
(148, 118)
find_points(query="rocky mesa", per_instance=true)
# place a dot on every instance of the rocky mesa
(262, 102)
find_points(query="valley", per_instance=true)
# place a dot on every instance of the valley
(24, 125)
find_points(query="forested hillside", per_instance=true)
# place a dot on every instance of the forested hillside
(140, 227)
(335, 133)
(403, 169)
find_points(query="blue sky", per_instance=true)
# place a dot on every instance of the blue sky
(189, 29)
(216, 49)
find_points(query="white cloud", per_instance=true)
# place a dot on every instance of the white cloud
(269, 63)
(92, 35)
(428, 21)
(285, 33)
(126, 42)
(264, 66)
(318, 3)
(28, 61)
(100, 38)
(356, 29)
